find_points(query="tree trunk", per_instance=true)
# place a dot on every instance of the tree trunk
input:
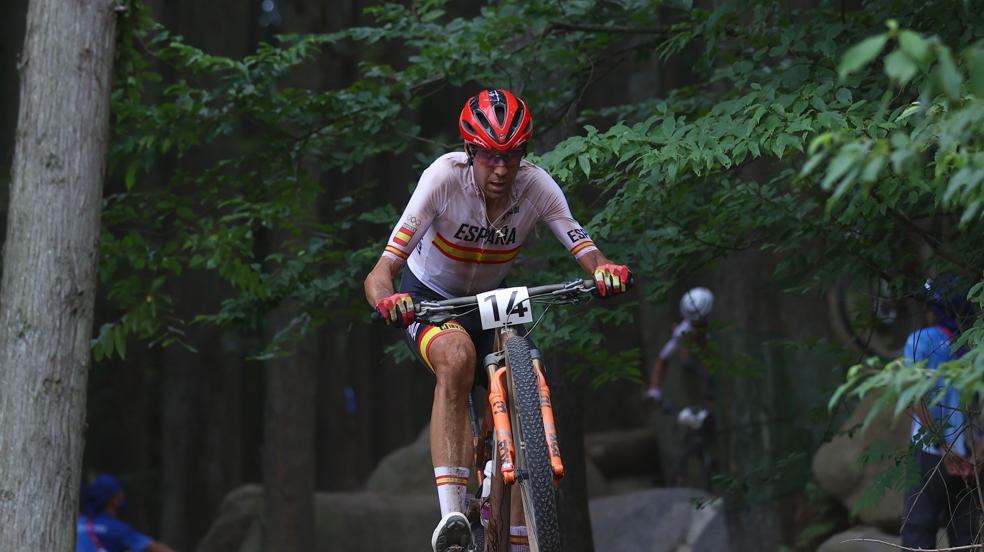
(288, 451)
(50, 262)
(572, 497)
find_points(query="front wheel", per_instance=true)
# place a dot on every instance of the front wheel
(532, 457)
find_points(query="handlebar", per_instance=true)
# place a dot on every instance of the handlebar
(571, 290)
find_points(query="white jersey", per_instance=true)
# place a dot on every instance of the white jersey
(445, 237)
(673, 344)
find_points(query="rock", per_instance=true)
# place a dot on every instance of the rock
(240, 510)
(597, 484)
(839, 472)
(846, 541)
(624, 452)
(370, 521)
(343, 521)
(709, 530)
(406, 470)
(664, 520)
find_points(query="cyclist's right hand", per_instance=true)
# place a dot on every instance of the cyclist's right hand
(397, 310)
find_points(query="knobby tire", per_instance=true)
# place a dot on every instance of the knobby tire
(537, 489)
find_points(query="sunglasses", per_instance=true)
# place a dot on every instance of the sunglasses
(490, 157)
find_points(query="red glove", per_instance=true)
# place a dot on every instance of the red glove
(397, 310)
(611, 279)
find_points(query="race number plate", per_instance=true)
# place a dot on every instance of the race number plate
(504, 307)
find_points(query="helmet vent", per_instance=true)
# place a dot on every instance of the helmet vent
(483, 120)
(517, 118)
(500, 113)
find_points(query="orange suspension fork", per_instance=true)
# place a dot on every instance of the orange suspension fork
(503, 429)
(549, 427)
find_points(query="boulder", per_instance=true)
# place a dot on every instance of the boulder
(839, 471)
(343, 521)
(631, 452)
(240, 515)
(658, 520)
(663, 519)
(406, 470)
(370, 521)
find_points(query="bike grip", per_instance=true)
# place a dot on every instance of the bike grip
(375, 316)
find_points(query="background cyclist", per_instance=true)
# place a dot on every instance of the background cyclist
(695, 308)
(697, 413)
(100, 530)
(944, 456)
(460, 232)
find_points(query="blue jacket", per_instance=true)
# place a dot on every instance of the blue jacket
(934, 345)
(104, 533)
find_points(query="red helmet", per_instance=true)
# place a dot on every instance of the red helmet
(495, 119)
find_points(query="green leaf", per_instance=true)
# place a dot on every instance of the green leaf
(872, 169)
(840, 165)
(668, 125)
(899, 67)
(131, 176)
(584, 161)
(432, 16)
(975, 61)
(860, 54)
(909, 111)
(812, 163)
(119, 339)
(916, 47)
(949, 76)
(844, 96)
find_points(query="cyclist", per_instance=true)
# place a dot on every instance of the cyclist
(459, 234)
(99, 530)
(944, 455)
(695, 307)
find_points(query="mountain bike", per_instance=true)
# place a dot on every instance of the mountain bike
(869, 315)
(517, 432)
(694, 466)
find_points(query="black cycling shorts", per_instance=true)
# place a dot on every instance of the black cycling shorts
(420, 336)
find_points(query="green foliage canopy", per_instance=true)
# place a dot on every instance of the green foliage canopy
(796, 134)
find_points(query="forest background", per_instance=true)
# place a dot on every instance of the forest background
(778, 152)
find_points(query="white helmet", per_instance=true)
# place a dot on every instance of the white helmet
(696, 304)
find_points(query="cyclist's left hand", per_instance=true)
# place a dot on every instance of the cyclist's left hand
(611, 279)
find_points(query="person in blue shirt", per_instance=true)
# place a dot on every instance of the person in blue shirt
(99, 529)
(944, 456)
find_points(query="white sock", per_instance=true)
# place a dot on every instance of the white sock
(452, 488)
(518, 539)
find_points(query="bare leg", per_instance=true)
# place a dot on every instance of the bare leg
(453, 359)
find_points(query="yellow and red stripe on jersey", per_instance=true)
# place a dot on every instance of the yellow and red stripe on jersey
(581, 247)
(403, 236)
(397, 251)
(519, 540)
(433, 332)
(474, 254)
(442, 480)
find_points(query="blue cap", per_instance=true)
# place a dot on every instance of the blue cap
(96, 495)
